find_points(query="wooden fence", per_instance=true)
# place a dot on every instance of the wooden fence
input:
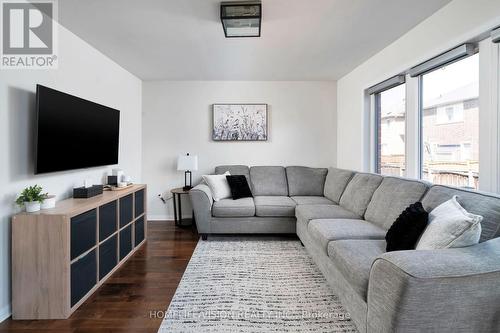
(458, 174)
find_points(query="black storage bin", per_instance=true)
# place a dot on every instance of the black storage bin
(83, 232)
(125, 241)
(126, 207)
(83, 276)
(108, 256)
(139, 231)
(139, 202)
(107, 220)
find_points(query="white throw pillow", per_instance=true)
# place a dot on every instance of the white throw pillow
(218, 185)
(450, 225)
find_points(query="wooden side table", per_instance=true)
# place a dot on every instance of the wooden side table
(176, 195)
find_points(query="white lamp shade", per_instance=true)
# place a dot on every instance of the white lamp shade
(187, 162)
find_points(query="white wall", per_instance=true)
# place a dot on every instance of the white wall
(82, 71)
(456, 23)
(177, 119)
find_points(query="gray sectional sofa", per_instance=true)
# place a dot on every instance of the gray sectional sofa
(342, 217)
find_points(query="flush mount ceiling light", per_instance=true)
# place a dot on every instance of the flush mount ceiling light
(241, 18)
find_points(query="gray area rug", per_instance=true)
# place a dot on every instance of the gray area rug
(254, 285)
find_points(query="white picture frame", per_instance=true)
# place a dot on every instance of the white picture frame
(240, 122)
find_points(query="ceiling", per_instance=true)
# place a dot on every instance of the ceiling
(184, 40)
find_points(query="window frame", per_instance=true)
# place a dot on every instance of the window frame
(421, 114)
(377, 128)
(489, 118)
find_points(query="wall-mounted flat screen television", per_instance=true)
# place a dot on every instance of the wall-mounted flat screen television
(73, 133)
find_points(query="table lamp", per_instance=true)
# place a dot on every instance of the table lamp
(187, 163)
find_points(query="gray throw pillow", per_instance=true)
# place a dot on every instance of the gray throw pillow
(450, 225)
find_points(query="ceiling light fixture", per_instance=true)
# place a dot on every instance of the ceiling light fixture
(241, 18)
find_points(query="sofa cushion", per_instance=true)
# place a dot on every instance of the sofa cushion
(268, 180)
(234, 170)
(243, 207)
(392, 197)
(475, 202)
(359, 191)
(306, 213)
(325, 231)
(336, 182)
(305, 181)
(274, 206)
(312, 200)
(354, 258)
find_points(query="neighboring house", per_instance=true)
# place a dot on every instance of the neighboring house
(450, 138)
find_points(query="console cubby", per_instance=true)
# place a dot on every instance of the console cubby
(126, 210)
(83, 276)
(108, 218)
(83, 232)
(67, 252)
(139, 230)
(125, 241)
(139, 203)
(108, 256)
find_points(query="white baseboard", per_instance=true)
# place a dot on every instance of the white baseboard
(5, 313)
(163, 217)
(159, 218)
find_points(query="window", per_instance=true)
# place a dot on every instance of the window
(391, 130)
(450, 124)
(450, 114)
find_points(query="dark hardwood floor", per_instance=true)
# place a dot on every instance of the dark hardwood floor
(128, 300)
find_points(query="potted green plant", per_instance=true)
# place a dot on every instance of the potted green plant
(31, 198)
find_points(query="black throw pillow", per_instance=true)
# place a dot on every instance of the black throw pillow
(239, 187)
(406, 230)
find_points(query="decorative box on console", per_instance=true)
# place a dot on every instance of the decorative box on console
(87, 192)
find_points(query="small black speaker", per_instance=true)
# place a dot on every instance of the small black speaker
(113, 180)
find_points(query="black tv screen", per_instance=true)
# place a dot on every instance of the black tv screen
(73, 133)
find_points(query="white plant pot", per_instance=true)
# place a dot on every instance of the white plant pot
(49, 202)
(32, 206)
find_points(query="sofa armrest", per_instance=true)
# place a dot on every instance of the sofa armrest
(449, 290)
(201, 200)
